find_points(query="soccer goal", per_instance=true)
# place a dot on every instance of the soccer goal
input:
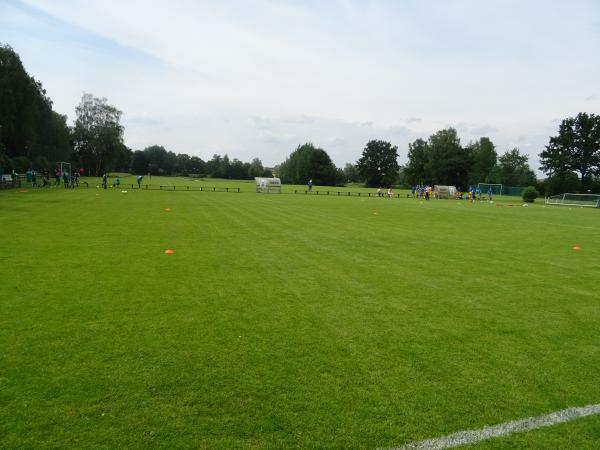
(440, 191)
(64, 167)
(587, 200)
(268, 185)
(485, 187)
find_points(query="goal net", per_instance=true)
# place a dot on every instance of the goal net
(485, 187)
(589, 200)
(268, 185)
(440, 191)
(64, 167)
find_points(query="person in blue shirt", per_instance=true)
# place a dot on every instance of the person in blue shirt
(490, 192)
(139, 181)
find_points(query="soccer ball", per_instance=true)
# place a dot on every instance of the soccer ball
(526, 205)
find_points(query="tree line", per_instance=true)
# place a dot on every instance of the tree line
(442, 159)
(33, 135)
(31, 132)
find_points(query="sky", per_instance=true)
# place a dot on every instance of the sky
(258, 78)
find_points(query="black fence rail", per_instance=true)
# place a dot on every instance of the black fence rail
(40, 185)
(348, 193)
(153, 187)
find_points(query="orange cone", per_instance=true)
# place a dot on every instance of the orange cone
(577, 247)
(167, 209)
(168, 252)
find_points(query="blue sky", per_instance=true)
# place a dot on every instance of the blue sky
(259, 78)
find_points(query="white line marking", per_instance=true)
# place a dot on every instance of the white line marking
(503, 429)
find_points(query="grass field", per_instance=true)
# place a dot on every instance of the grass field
(291, 321)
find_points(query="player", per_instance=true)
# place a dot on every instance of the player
(139, 181)
(490, 192)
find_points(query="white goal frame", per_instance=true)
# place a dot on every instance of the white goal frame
(581, 200)
(62, 165)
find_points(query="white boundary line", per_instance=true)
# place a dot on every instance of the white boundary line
(503, 429)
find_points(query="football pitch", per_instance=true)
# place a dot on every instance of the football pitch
(292, 321)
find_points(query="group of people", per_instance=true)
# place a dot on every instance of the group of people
(421, 191)
(70, 180)
(117, 181)
(380, 193)
(475, 193)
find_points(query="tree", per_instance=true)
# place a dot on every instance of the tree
(401, 177)
(237, 170)
(576, 148)
(157, 158)
(225, 167)
(340, 177)
(308, 162)
(256, 169)
(139, 162)
(351, 173)
(448, 162)
(417, 169)
(559, 183)
(29, 127)
(379, 163)
(97, 134)
(484, 160)
(182, 165)
(123, 159)
(197, 166)
(513, 170)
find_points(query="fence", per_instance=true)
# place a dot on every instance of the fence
(349, 193)
(151, 187)
(512, 190)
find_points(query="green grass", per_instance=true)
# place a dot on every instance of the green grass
(291, 321)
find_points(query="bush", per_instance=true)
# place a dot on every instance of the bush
(530, 194)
